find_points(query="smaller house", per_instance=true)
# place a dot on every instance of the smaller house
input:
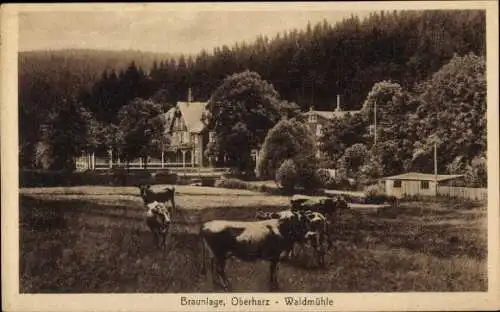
(414, 183)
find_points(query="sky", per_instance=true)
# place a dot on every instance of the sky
(180, 31)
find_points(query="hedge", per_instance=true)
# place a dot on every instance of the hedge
(32, 178)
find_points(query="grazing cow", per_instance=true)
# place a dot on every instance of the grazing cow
(158, 220)
(261, 215)
(249, 241)
(325, 205)
(317, 234)
(317, 226)
(149, 195)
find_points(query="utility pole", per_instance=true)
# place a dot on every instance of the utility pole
(435, 168)
(375, 122)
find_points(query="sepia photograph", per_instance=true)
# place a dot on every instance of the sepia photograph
(248, 156)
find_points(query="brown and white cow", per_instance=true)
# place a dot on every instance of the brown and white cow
(325, 205)
(317, 232)
(328, 207)
(249, 241)
(158, 220)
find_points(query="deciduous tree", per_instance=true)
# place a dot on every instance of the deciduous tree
(142, 126)
(241, 111)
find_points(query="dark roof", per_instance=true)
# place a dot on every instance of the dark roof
(416, 176)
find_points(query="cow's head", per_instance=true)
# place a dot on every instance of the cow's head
(293, 224)
(161, 213)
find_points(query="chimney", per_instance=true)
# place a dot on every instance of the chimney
(190, 97)
(338, 104)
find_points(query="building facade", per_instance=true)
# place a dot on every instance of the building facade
(316, 120)
(416, 184)
(188, 134)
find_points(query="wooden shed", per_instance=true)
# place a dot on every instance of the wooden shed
(414, 183)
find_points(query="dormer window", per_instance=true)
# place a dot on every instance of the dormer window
(313, 118)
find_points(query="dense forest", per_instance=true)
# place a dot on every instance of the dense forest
(307, 66)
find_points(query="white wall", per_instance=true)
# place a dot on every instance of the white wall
(409, 188)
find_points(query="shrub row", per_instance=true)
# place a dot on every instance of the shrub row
(232, 183)
(31, 178)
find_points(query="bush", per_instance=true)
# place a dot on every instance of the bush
(374, 194)
(208, 181)
(116, 177)
(245, 175)
(325, 180)
(289, 138)
(231, 183)
(165, 177)
(287, 175)
(477, 173)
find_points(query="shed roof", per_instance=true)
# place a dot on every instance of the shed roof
(416, 176)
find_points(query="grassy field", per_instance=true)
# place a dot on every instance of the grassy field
(94, 240)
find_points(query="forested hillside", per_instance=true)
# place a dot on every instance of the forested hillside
(309, 67)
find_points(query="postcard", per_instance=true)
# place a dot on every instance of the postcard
(315, 156)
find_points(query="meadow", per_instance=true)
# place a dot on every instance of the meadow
(94, 240)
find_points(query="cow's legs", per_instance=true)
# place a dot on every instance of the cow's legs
(163, 240)
(321, 253)
(273, 275)
(292, 251)
(213, 271)
(220, 263)
(164, 237)
(289, 252)
(155, 238)
(321, 249)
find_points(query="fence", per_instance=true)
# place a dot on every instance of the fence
(95, 163)
(463, 192)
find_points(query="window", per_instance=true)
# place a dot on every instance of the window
(195, 138)
(313, 118)
(319, 130)
(397, 183)
(254, 154)
(211, 136)
(424, 185)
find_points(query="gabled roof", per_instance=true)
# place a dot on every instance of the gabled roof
(192, 113)
(416, 176)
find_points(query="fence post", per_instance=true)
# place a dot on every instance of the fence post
(110, 158)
